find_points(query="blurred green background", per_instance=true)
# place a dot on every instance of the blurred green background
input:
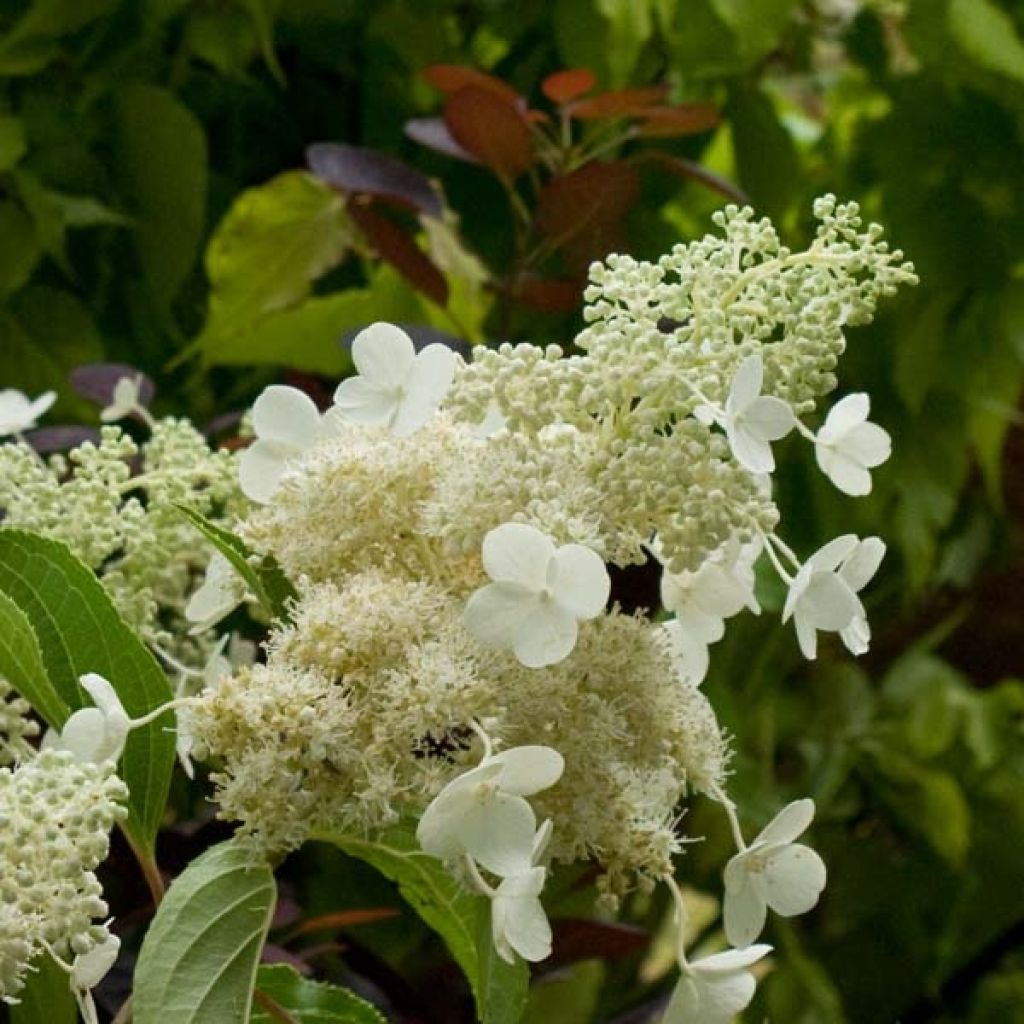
(156, 209)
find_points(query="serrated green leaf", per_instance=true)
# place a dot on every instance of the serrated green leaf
(21, 663)
(502, 988)
(266, 579)
(198, 961)
(308, 1002)
(79, 630)
(46, 997)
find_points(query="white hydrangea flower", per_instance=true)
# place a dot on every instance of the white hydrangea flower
(823, 595)
(518, 922)
(714, 989)
(395, 386)
(287, 424)
(773, 871)
(220, 594)
(847, 446)
(98, 734)
(125, 399)
(18, 413)
(539, 595)
(484, 813)
(751, 420)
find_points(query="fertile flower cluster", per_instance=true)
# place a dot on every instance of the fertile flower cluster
(448, 526)
(113, 504)
(56, 813)
(16, 727)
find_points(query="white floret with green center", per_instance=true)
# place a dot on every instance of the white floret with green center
(848, 445)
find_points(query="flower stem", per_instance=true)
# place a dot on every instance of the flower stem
(730, 813)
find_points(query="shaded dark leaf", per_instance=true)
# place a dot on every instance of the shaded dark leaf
(395, 246)
(550, 294)
(580, 938)
(618, 102)
(422, 335)
(433, 133)
(692, 171)
(221, 424)
(96, 381)
(60, 438)
(563, 86)
(340, 919)
(494, 131)
(685, 119)
(273, 954)
(450, 78)
(356, 169)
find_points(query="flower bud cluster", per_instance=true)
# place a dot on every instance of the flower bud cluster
(16, 727)
(55, 818)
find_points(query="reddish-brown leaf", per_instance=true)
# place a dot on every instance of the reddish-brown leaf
(433, 133)
(563, 86)
(582, 212)
(618, 102)
(578, 938)
(339, 919)
(684, 119)
(549, 294)
(496, 133)
(395, 246)
(688, 169)
(450, 78)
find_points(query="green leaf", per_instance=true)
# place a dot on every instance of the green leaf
(20, 251)
(265, 579)
(308, 1002)
(758, 25)
(160, 166)
(460, 917)
(987, 35)
(12, 141)
(21, 663)
(46, 998)
(79, 630)
(198, 961)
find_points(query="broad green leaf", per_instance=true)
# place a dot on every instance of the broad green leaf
(20, 251)
(21, 663)
(160, 165)
(31, 43)
(460, 917)
(198, 961)
(266, 580)
(79, 630)
(46, 998)
(758, 25)
(987, 35)
(308, 1002)
(262, 14)
(12, 141)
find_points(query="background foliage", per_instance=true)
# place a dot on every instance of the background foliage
(157, 208)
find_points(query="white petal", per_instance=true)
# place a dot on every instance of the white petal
(706, 414)
(703, 627)
(217, 597)
(746, 385)
(363, 401)
(524, 923)
(806, 635)
(582, 584)
(846, 474)
(863, 563)
(286, 415)
(720, 592)
(497, 831)
(845, 415)
(41, 404)
(384, 355)
(89, 969)
(689, 655)
(749, 450)
(790, 823)
(528, 770)
(684, 1006)
(85, 735)
(793, 877)
(828, 603)
(732, 959)
(439, 828)
(769, 418)
(869, 444)
(745, 909)
(104, 695)
(495, 613)
(546, 636)
(831, 554)
(797, 589)
(517, 553)
(259, 471)
(430, 380)
(857, 636)
(721, 998)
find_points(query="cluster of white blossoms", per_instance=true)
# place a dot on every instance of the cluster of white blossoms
(456, 655)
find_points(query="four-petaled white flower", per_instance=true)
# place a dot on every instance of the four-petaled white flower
(125, 400)
(395, 387)
(847, 446)
(287, 424)
(484, 813)
(773, 871)
(98, 734)
(18, 413)
(751, 420)
(221, 593)
(714, 989)
(539, 595)
(823, 596)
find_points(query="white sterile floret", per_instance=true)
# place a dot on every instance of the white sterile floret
(751, 420)
(89, 969)
(773, 871)
(125, 400)
(483, 812)
(18, 412)
(847, 446)
(220, 594)
(518, 922)
(395, 386)
(714, 989)
(539, 595)
(98, 734)
(287, 423)
(823, 596)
